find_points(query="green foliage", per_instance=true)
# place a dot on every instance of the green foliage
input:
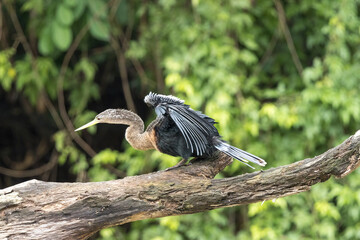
(7, 71)
(82, 86)
(229, 60)
(69, 153)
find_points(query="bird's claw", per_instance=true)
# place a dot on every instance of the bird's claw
(179, 164)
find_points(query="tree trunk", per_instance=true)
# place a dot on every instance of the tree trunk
(48, 210)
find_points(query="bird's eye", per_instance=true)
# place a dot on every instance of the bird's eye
(98, 118)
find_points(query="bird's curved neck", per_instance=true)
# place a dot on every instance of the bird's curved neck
(135, 134)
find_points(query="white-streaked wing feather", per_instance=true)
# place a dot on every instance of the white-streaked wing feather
(193, 127)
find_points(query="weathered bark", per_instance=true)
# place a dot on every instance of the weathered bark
(47, 210)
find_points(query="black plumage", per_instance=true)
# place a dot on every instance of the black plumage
(182, 131)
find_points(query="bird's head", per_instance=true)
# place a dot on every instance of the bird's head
(111, 116)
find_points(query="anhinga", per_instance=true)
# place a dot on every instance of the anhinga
(178, 130)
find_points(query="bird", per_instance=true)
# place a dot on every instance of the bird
(178, 130)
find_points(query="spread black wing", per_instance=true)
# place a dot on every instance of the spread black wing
(197, 128)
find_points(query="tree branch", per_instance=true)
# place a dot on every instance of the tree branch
(49, 210)
(121, 60)
(60, 91)
(18, 28)
(32, 172)
(287, 35)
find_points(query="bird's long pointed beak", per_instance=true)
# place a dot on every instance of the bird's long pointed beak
(93, 122)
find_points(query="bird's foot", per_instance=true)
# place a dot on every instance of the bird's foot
(179, 164)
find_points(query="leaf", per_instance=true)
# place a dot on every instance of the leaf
(79, 8)
(61, 36)
(36, 5)
(81, 164)
(98, 174)
(100, 29)
(45, 43)
(71, 3)
(64, 15)
(106, 156)
(7, 72)
(98, 8)
(122, 12)
(86, 67)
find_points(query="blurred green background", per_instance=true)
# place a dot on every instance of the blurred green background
(282, 78)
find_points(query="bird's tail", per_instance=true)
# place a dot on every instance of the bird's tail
(237, 153)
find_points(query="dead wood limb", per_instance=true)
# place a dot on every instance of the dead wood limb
(49, 210)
